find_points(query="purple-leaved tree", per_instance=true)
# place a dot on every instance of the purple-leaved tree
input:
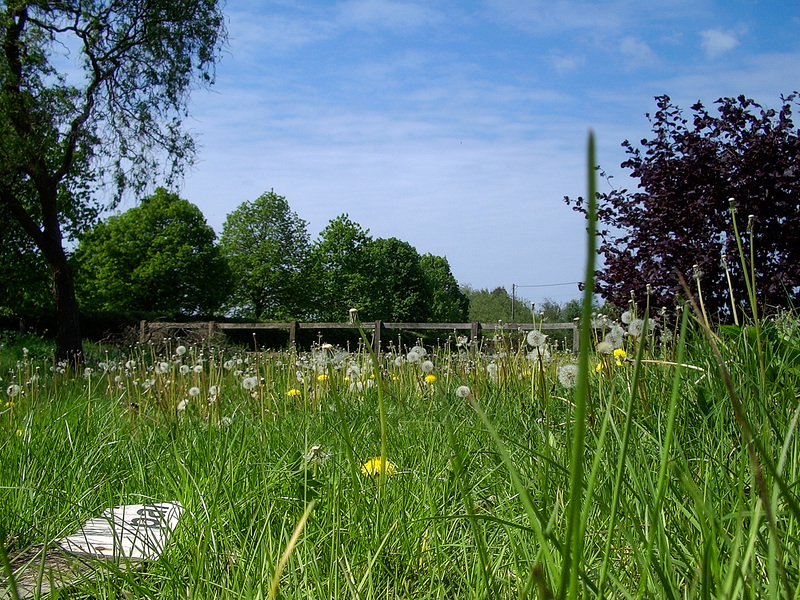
(679, 218)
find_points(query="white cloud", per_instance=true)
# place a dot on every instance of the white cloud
(567, 63)
(636, 52)
(386, 14)
(715, 42)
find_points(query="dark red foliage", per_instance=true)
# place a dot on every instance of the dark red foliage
(680, 214)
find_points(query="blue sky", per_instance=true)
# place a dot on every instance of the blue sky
(459, 126)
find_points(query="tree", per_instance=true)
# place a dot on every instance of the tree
(448, 304)
(398, 289)
(110, 114)
(384, 278)
(494, 306)
(23, 273)
(339, 270)
(679, 219)
(266, 245)
(157, 259)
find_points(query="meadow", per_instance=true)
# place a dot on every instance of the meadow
(661, 461)
(429, 473)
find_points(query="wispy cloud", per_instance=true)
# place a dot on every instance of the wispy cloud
(457, 127)
(391, 15)
(716, 42)
(636, 53)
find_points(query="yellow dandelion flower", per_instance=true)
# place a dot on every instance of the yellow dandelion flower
(294, 392)
(375, 466)
(322, 377)
(619, 354)
(430, 379)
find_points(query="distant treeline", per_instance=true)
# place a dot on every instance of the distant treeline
(161, 260)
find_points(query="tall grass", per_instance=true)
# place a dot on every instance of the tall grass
(666, 468)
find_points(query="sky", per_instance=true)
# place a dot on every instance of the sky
(460, 125)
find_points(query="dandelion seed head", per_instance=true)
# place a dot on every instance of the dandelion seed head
(316, 455)
(426, 366)
(194, 391)
(536, 339)
(568, 376)
(538, 353)
(180, 350)
(605, 347)
(463, 391)
(250, 383)
(635, 328)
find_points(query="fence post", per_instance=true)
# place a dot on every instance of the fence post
(293, 327)
(576, 335)
(376, 338)
(475, 335)
(142, 327)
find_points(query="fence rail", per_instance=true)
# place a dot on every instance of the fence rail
(147, 329)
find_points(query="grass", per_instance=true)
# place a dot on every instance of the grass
(480, 504)
(667, 469)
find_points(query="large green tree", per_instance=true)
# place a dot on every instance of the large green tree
(448, 303)
(266, 245)
(492, 306)
(90, 92)
(339, 270)
(384, 278)
(398, 289)
(24, 276)
(156, 260)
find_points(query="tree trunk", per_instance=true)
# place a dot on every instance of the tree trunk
(69, 342)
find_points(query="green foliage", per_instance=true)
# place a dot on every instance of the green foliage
(382, 278)
(494, 306)
(91, 93)
(670, 500)
(339, 264)
(449, 304)
(398, 289)
(266, 245)
(157, 259)
(24, 275)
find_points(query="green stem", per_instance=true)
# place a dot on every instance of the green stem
(573, 545)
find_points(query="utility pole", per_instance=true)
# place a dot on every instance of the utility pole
(513, 300)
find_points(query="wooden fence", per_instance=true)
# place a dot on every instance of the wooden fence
(150, 329)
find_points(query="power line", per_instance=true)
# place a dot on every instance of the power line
(514, 285)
